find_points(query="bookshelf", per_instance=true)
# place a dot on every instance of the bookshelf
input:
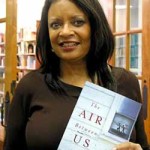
(26, 35)
(17, 41)
(2, 60)
(26, 59)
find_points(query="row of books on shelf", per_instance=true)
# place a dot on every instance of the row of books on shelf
(26, 43)
(2, 88)
(26, 34)
(26, 62)
(26, 51)
(2, 48)
(2, 37)
(2, 61)
(2, 57)
(21, 73)
(25, 56)
(2, 73)
(26, 47)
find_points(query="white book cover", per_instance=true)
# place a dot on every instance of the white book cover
(100, 120)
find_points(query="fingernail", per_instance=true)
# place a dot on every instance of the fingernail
(114, 148)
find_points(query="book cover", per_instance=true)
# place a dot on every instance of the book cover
(100, 120)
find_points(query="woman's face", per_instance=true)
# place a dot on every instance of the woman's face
(69, 31)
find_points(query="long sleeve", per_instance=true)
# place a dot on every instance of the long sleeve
(15, 130)
(17, 118)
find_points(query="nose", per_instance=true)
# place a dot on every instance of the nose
(66, 30)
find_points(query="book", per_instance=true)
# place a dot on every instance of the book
(100, 120)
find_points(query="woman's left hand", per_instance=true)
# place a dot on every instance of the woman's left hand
(128, 146)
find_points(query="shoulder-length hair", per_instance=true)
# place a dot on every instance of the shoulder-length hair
(102, 43)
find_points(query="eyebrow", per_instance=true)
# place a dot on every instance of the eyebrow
(72, 17)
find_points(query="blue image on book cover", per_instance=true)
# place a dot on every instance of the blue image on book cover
(124, 118)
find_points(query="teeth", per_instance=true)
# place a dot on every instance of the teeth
(69, 44)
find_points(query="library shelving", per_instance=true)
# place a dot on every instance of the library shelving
(2, 65)
(2, 62)
(26, 59)
(2, 59)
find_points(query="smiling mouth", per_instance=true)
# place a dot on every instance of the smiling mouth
(69, 44)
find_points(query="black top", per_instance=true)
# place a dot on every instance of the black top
(38, 115)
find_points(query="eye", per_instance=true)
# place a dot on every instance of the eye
(78, 22)
(55, 25)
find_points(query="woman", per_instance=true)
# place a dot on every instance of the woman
(74, 44)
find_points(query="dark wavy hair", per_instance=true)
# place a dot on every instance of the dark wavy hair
(102, 43)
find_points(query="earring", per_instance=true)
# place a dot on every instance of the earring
(53, 50)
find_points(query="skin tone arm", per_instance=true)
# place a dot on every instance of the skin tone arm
(127, 146)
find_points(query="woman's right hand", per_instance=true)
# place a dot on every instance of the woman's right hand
(128, 146)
